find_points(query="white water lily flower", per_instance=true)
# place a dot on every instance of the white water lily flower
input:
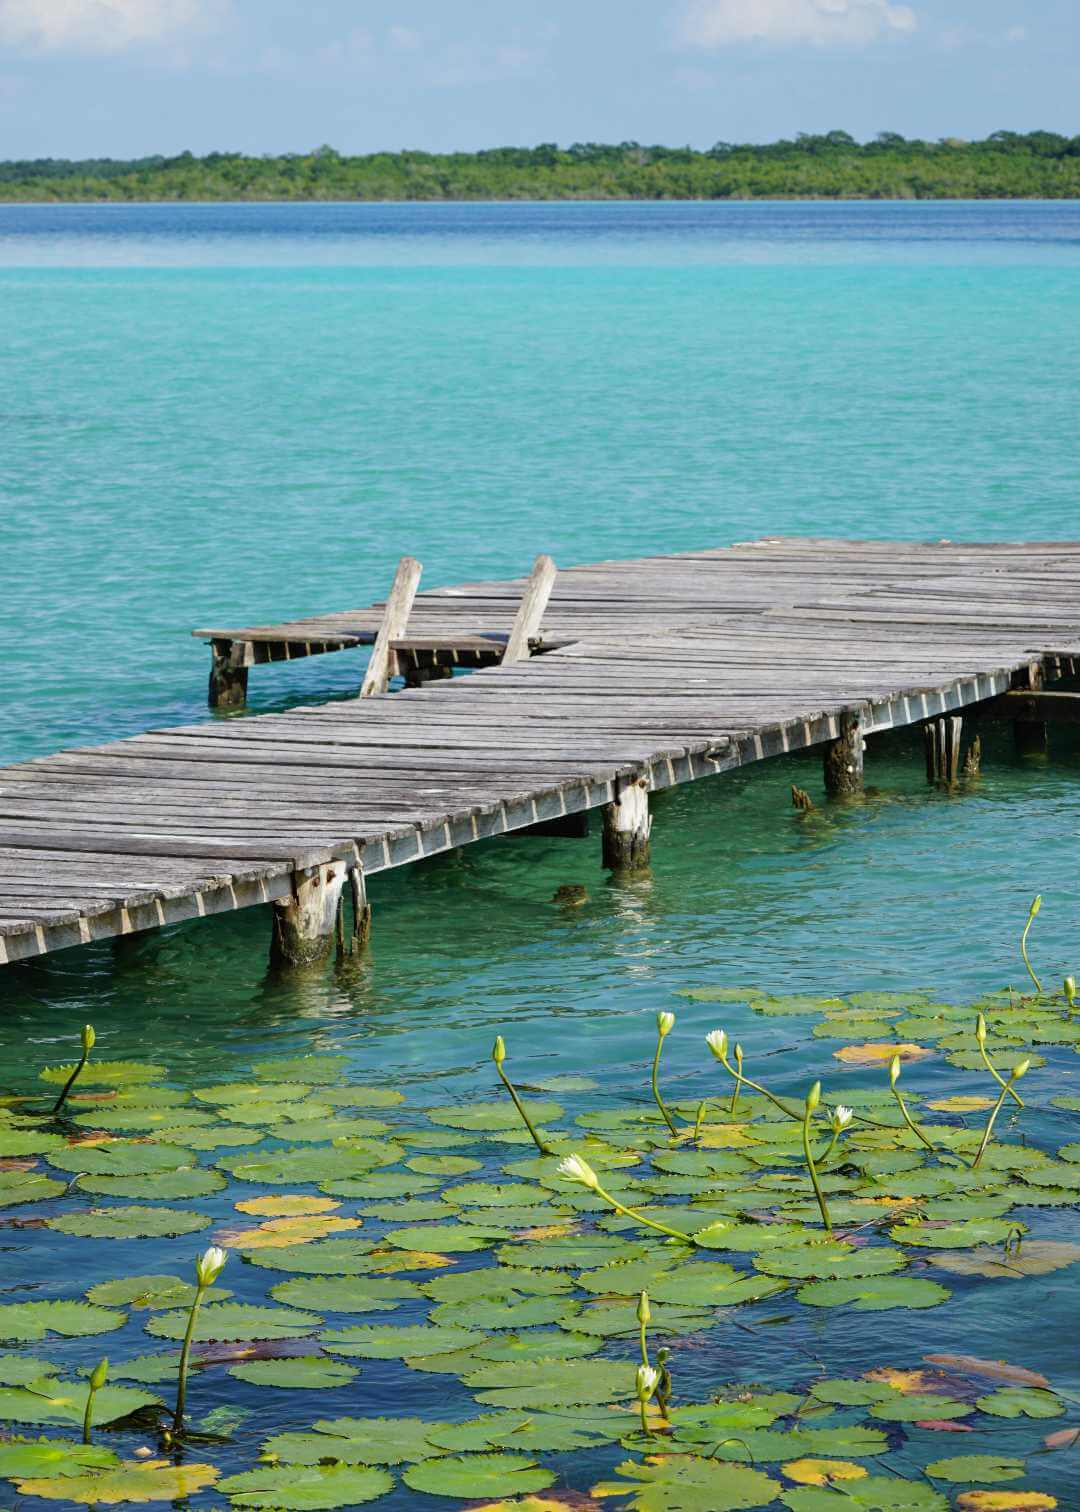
(648, 1379)
(841, 1117)
(665, 1023)
(208, 1266)
(573, 1168)
(716, 1040)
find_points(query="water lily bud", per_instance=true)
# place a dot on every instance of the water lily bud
(1070, 990)
(738, 1056)
(208, 1266)
(665, 1023)
(1021, 1069)
(644, 1311)
(88, 1039)
(100, 1372)
(980, 1029)
(813, 1098)
(841, 1118)
(1036, 904)
(573, 1168)
(648, 1380)
(498, 1051)
(894, 1071)
(716, 1040)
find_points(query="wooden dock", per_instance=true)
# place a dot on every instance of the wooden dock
(654, 672)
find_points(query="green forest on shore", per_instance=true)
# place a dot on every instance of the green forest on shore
(1006, 165)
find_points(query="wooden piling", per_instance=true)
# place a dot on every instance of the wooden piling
(844, 759)
(943, 738)
(627, 827)
(530, 615)
(304, 924)
(228, 674)
(1029, 735)
(383, 664)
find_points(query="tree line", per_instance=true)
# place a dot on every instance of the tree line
(833, 165)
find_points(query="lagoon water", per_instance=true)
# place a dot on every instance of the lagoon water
(225, 414)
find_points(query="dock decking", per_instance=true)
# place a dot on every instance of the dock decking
(655, 672)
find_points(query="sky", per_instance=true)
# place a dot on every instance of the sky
(128, 78)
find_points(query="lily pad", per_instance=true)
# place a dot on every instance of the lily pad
(1034, 1257)
(327, 1257)
(46, 1458)
(166, 1186)
(99, 1073)
(486, 1117)
(299, 1165)
(64, 1402)
(298, 1372)
(230, 1321)
(17, 1187)
(552, 1383)
(496, 1282)
(25, 1321)
(121, 1157)
(446, 1238)
(130, 1223)
(875, 1494)
(977, 1467)
(831, 1259)
(345, 1294)
(474, 1475)
(914, 1407)
(575, 1252)
(537, 1344)
(684, 1483)
(149, 1481)
(874, 1294)
(285, 1488)
(370, 1341)
(150, 1292)
(314, 1070)
(1021, 1401)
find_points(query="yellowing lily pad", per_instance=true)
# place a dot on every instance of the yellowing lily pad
(287, 1206)
(281, 1233)
(879, 1054)
(821, 1472)
(1005, 1501)
(149, 1481)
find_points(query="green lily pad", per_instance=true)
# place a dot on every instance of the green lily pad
(167, 1186)
(831, 1260)
(15, 1143)
(371, 1341)
(496, 1282)
(25, 1321)
(299, 1165)
(298, 1372)
(64, 1402)
(17, 1187)
(955, 1235)
(45, 1458)
(846, 1393)
(443, 1165)
(130, 1223)
(730, 1234)
(325, 1257)
(235, 1321)
(104, 1073)
(152, 1369)
(378, 1185)
(537, 1344)
(1021, 1401)
(877, 1493)
(445, 1238)
(487, 1117)
(236, 1094)
(684, 1483)
(615, 1319)
(533, 1433)
(512, 1312)
(124, 1120)
(913, 1407)
(292, 1488)
(629, 1278)
(874, 1294)
(988, 1468)
(357, 1441)
(706, 1285)
(121, 1157)
(406, 1210)
(476, 1475)
(24, 1370)
(552, 1383)
(348, 1294)
(575, 1252)
(150, 1292)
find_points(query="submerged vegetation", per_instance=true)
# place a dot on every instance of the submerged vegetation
(1006, 165)
(506, 1233)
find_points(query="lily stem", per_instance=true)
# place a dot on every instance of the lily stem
(912, 1125)
(1023, 950)
(508, 1084)
(72, 1079)
(640, 1217)
(656, 1088)
(181, 1384)
(818, 1193)
(988, 1131)
(988, 1063)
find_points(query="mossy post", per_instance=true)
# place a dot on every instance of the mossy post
(844, 759)
(304, 925)
(229, 662)
(627, 827)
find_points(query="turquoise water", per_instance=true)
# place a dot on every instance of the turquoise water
(228, 414)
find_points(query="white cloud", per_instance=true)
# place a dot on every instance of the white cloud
(1015, 34)
(100, 26)
(723, 23)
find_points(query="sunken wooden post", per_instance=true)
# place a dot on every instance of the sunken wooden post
(304, 925)
(361, 926)
(844, 759)
(627, 826)
(943, 737)
(1029, 735)
(384, 663)
(229, 662)
(534, 602)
